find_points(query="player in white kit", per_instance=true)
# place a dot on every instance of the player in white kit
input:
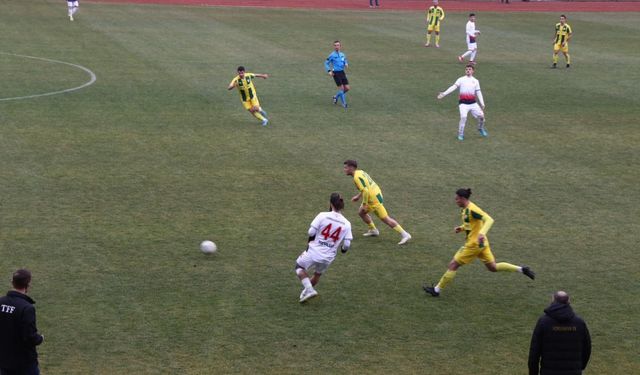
(470, 95)
(326, 232)
(472, 44)
(72, 6)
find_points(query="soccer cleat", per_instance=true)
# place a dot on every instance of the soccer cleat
(335, 100)
(307, 295)
(554, 66)
(528, 272)
(70, 18)
(265, 122)
(346, 105)
(302, 293)
(460, 59)
(568, 65)
(431, 290)
(437, 46)
(427, 45)
(405, 239)
(461, 137)
(483, 132)
(372, 233)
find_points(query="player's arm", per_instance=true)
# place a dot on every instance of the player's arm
(313, 228)
(327, 65)
(264, 76)
(569, 35)
(346, 243)
(361, 188)
(487, 222)
(442, 13)
(448, 91)
(232, 84)
(479, 96)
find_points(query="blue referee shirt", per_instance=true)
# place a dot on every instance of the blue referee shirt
(338, 60)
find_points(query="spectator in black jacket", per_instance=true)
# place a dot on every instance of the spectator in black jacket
(561, 344)
(18, 333)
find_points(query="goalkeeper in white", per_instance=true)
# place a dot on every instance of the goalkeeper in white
(470, 96)
(326, 232)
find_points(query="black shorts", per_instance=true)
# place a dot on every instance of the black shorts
(340, 78)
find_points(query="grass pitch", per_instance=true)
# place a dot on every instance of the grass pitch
(108, 191)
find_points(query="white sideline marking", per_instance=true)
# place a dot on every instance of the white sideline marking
(89, 83)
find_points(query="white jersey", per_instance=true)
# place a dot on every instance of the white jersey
(471, 32)
(469, 90)
(329, 229)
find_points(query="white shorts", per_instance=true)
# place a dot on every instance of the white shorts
(472, 46)
(307, 260)
(475, 109)
(72, 3)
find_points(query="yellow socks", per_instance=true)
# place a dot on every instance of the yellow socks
(507, 267)
(446, 279)
(568, 59)
(398, 228)
(438, 39)
(429, 38)
(371, 226)
(555, 58)
(257, 115)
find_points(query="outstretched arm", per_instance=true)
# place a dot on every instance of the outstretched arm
(449, 91)
(264, 76)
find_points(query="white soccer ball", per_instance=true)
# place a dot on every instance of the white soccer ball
(208, 247)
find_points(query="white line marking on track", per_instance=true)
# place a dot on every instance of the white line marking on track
(89, 83)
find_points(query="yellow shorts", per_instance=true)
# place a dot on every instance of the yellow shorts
(466, 255)
(251, 103)
(435, 28)
(378, 209)
(558, 47)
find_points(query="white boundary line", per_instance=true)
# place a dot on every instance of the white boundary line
(89, 83)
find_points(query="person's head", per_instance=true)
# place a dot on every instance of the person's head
(469, 70)
(21, 280)
(561, 297)
(435, 2)
(350, 167)
(337, 45)
(241, 71)
(472, 17)
(336, 202)
(462, 197)
(563, 19)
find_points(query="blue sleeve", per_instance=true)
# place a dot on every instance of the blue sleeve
(327, 63)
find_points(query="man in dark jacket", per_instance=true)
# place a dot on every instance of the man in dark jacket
(561, 343)
(18, 333)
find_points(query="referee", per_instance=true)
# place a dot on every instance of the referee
(335, 65)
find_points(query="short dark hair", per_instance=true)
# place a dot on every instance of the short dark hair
(336, 41)
(563, 16)
(351, 163)
(561, 297)
(464, 193)
(241, 68)
(336, 201)
(21, 279)
(471, 14)
(471, 66)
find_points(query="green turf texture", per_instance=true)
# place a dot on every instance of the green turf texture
(107, 192)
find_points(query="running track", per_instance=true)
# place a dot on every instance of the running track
(488, 6)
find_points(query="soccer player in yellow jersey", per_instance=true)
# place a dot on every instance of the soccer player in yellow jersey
(244, 82)
(475, 224)
(372, 200)
(435, 15)
(561, 41)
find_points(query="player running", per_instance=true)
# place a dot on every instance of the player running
(469, 92)
(244, 82)
(72, 8)
(326, 232)
(472, 44)
(475, 224)
(372, 201)
(335, 65)
(435, 15)
(561, 41)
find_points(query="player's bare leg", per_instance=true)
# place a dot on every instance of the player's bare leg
(315, 279)
(437, 39)
(308, 292)
(364, 215)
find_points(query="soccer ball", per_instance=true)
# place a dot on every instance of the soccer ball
(208, 247)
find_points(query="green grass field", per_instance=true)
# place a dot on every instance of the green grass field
(106, 192)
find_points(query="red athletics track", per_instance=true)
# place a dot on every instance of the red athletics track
(488, 6)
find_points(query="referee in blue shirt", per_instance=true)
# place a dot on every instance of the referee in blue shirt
(335, 65)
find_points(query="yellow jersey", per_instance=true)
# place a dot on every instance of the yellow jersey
(371, 193)
(474, 222)
(435, 14)
(562, 33)
(245, 86)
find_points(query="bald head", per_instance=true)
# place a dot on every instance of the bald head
(561, 297)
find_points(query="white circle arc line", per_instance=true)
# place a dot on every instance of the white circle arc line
(89, 83)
